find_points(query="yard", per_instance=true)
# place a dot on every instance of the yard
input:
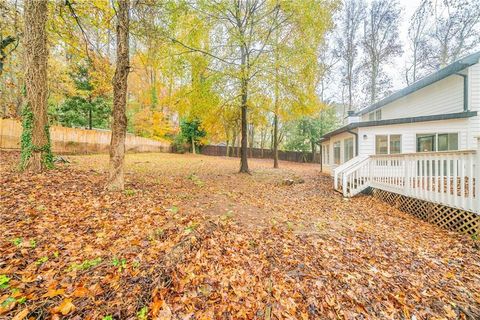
(192, 239)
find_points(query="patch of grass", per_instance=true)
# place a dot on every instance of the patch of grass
(109, 317)
(129, 192)
(190, 228)
(173, 209)
(196, 180)
(42, 260)
(17, 241)
(21, 300)
(33, 243)
(143, 313)
(7, 302)
(11, 300)
(121, 264)
(4, 280)
(85, 265)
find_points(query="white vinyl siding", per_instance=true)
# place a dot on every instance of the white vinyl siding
(444, 96)
(408, 132)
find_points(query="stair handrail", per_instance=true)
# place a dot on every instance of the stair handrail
(349, 171)
(345, 166)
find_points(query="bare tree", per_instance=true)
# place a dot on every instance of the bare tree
(418, 42)
(381, 43)
(36, 153)
(245, 29)
(456, 30)
(116, 179)
(348, 41)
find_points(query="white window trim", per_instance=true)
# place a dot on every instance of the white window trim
(436, 140)
(388, 142)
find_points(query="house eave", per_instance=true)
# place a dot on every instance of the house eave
(438, 117)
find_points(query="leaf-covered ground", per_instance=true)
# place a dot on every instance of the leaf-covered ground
(192, 239)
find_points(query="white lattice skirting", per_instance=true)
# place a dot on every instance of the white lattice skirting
(440, 215)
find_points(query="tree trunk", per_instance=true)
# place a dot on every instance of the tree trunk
(193, 146)
(244, 142)
(35, 136)
(275, 141)
(277, 96)
(252, 139)
(244, 146)
(116, 181)
(234, 143)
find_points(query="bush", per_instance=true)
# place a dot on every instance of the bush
(179, 145)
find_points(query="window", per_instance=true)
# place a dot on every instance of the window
(325, 154)
(388, 144)
(437, 142)
(447, 141)
(426, 142)
(381, 144)
(336, 152)
(395, 144)
(375, 115)
(347, 149)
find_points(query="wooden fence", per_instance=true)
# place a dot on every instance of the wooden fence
(294, 156)
(73, 140)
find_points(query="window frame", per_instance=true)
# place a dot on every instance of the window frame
(390, 143)
(337, 144)
(435, 137)
(377, 136)
(389, 146)
(345, 150)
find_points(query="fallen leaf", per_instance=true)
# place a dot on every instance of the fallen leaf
(21, 315)
(65, 307)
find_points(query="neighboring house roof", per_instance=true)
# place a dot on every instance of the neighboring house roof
(428, 80)
(351, 126)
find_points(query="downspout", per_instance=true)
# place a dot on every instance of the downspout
(465, 90)
(321, 158)
(356, 141)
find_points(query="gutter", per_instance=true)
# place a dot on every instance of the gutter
(465, 90)
(356, 141)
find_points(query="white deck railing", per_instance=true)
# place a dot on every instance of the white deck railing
(451, 178)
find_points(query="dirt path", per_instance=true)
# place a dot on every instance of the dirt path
(192, 239)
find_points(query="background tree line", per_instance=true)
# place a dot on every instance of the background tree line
(259, 73)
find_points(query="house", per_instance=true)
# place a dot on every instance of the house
(419, 142)
(436, 113)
